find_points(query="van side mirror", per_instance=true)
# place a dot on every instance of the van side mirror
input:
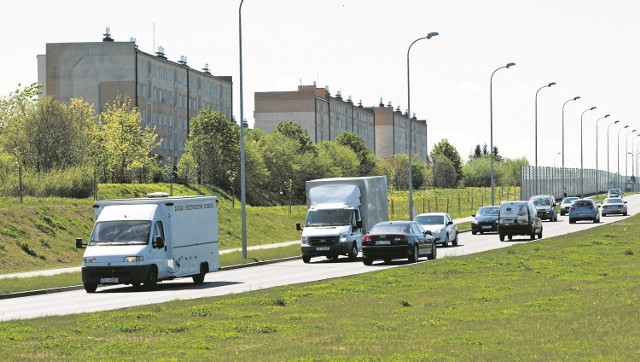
(158, 242)
(79, 244)
(359, 224)
(298, 227)
(428, 232)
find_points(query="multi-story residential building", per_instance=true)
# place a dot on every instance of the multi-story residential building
(324, 117)
(167, 93)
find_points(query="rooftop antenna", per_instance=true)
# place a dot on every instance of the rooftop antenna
(107, 35)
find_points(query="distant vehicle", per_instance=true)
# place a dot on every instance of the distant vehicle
(519, 218)
(566, 204)
(397, 239)
(614, 205)
(584, 209)
(485, 220)
(614, 193)
(441, 226)
(546, 207)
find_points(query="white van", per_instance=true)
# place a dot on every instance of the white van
(147, 240)
(519, 218)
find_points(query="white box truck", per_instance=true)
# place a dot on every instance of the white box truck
(147, 240)
(340, 211)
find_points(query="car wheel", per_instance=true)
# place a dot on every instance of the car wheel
(474, 232)
(414, 256)
(624, 214)
(596, 220)
(510, 237)
(90, 287)
(354, 252)
(152, 279)
(333, 257)
(561, 213)
(540, 234)
(367, 261)
(532, 236)
(434, 253)
(501, 237)
(571, 221)
(306, 259)
(455, 241)
(446, 240)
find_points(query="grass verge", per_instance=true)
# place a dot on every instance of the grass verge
(570, 298)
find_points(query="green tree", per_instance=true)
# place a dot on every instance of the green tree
(15, 110)
(444, 173)
(366, 158)
(126, 143)
(295, 132)
(450, 152)
(477, 172)
(214, 143)
(396, 168)
(343, 160)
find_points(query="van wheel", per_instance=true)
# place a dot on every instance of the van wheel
(353, 254)
(152, 279)
(90, 287)
(199, 279)
(306, 259)
(501, 237)
(510, 237)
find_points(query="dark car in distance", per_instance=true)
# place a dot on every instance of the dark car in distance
(485, 220)
(397, 239)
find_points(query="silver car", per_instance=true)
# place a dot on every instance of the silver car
(441, 225)
(613, 205)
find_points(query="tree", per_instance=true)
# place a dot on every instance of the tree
(447, 150)
(477, 172)
(396, 168)
(366, 158)
(343, 160)
(444, 173)
(125, 142)
(295, 132)
(214, 143)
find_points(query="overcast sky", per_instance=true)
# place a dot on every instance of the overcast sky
(589, 48)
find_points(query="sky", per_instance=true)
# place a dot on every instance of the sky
(589, 48)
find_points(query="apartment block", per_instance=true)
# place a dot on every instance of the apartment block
(167, 93)
(324, 117)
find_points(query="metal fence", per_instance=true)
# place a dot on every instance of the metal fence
(553, 181)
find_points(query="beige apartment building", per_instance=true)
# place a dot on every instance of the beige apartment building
(324, 117)
(167, 93)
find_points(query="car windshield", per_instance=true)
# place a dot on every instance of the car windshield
(488, 211)
(613, 201)
(121, 232)
(390, 229)
(329, 217)
(430, 219)
(541, 202)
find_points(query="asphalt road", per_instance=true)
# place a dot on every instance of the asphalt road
(258, 277)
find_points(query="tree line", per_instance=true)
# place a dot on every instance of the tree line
(50, 148)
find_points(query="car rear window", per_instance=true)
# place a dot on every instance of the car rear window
(390, 229)
(582, 203)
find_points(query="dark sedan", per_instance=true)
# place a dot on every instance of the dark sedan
(397, 239)
(485, 219)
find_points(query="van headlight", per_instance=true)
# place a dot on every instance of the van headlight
(132, 259)
(343, 238)
(89, 259)
(305, 240)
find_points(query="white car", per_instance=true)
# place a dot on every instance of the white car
(441, 225)
(613, 205)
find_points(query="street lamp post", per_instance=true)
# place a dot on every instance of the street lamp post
(535, 176)
(626, 154)
(582, 153)
(243, 197)
(618, 177)
(491, 153)
(608, 172)
(564, 184)
(554, 158)
(410, 150)
(597, 178)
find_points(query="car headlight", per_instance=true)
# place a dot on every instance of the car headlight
(305, 240)
(89, 259)
(343, 238)
(131, 259)
(438, 231)
(474, 221)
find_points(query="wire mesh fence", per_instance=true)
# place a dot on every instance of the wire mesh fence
(571, 181)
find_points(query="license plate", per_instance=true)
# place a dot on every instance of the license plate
(582, 214)
(507, 221)
(486, 226)
(383, 242)
(322, 248)
(109, 280)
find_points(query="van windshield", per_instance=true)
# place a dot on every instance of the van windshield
(329, 217)
(121, 232)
